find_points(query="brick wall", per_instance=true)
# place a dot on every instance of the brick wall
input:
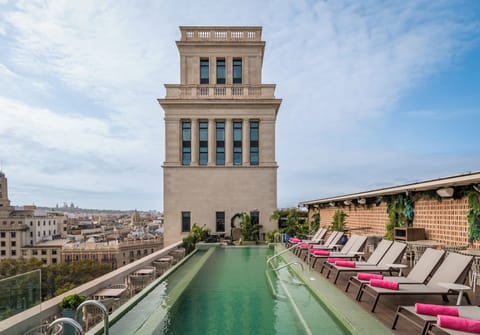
(444, 220)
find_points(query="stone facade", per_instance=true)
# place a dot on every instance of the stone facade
(219, 133)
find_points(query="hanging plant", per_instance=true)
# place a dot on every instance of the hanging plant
(473, 216)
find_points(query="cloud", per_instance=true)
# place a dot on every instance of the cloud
(79, 82)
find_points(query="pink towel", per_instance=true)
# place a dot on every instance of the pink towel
(294, 240)
(333, 260)
(462, 324)
(391, 285)
(368, 276)
(321, 252)
(347, 264)
(435, 309)
(305, 245)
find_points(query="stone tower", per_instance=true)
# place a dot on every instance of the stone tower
(219, 133)
(4, 201)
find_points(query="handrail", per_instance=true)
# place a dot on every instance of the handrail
(69, 321)
(281, 253)
(288, 264)
(100, 306)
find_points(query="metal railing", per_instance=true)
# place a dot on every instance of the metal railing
(98, 305)
(288, 264)
(69, 321)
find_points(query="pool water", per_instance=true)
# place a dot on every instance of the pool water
(229, 295)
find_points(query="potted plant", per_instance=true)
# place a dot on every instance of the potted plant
(69, 305)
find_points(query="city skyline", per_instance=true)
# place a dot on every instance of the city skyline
(374, 94)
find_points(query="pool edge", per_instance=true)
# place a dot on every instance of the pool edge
(355, 319)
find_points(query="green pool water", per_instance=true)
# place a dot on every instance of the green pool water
(228, 295)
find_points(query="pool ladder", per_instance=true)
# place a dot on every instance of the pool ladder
(287, 295)
(75, 324)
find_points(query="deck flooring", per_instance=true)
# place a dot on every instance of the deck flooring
(387, 305)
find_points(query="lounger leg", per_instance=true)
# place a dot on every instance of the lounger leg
(314, 261)
(444, 298)
(375, 303)
(348, 285)
(397, 314)
(467, 298)
(359, 292)
(336, 277)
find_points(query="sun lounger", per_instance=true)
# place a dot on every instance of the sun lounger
(418, 274)
(453, 269)
(423, 321)
(374, 258)
(393, 255)
(352, 249)
(317, 239)
(329, 244)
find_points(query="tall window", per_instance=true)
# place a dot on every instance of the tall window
(220, 71)
(185, 222)
(220, 221)
(186, 143)
(203, 143)
(237, 143)
(255, 217)
(220, 145)
(204, 71)
(254, 142)
(237, 71)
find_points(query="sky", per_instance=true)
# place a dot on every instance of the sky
(375, 94)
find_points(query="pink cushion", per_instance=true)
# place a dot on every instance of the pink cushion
(333, 260)
(294, 240)
(435, 309)
(462, 324)
(304, 245)
(321, 252)
(391, 285)
(368, 276)
(348, 264)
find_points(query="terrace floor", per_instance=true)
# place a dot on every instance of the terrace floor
(386, 307)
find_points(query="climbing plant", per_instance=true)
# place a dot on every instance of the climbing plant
(473, 216)
(400, 209)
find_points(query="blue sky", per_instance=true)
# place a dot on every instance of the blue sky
(375, 94)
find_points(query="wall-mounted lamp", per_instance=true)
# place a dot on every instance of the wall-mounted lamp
(362, 201)
(445, 192)
(477, 188)
(332, 204)
(347, 202)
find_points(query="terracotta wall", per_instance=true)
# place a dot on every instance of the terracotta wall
(444, 221)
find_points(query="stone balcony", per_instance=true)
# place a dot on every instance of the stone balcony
(198, 34)
(265, 91)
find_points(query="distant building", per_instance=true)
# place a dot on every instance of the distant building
(25, 227)
(116, 253)
(219, 133)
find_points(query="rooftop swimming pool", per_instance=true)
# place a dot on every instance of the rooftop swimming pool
(225, 291)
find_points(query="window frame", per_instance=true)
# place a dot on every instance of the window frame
(202, 143)
(237, 69)
(204, 66)
(237, 138)
(186, 142)
(184, 224)
(218, 221)
(220, 143)
(254, 142)
(221, 69)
